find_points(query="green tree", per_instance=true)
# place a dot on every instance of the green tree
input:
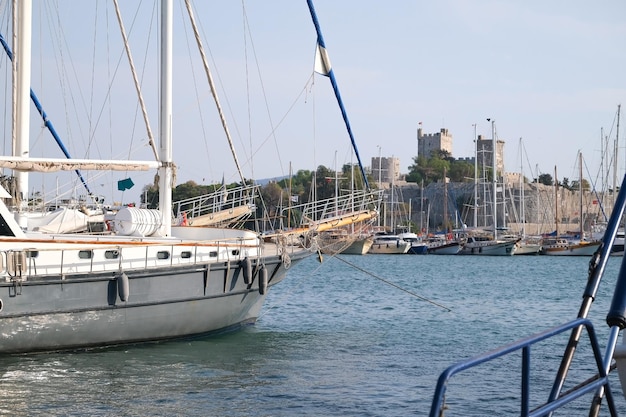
(428, 170)
(300, 184)
(325, 183)
(461, 171)
(585, 185)
(546, 179)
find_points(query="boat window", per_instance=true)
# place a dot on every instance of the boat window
(213, 254)
(185, 255)
(85, 254)
(163, 254)
(112, 254)
(32, 253)
(235, 252)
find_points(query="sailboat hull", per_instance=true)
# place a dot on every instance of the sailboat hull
(524, 248)
(451, 248)
(569, 249)
(490, 248)
(76, 311)
(359, 246)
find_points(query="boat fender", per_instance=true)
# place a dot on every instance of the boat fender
(263, 280)
(123, 287)
(246, 269)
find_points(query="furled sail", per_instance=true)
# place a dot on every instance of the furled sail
(54, 165)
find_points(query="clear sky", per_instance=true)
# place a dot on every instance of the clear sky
(550, 72)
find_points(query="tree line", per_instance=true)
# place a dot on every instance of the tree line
(427, 170)
(276, 194)
(297, 189)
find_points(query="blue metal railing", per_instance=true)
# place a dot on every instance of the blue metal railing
(616, 319)
(592, 385)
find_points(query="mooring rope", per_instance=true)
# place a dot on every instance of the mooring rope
(335, 255)
(392, 284)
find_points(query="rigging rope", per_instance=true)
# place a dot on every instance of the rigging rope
(136, 81)
(213, 90)
(392, 284)
(358, 268)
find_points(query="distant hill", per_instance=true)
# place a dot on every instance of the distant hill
(266, 181)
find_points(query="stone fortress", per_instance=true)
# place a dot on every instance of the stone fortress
(430, 211)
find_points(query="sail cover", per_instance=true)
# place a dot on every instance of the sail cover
(53, 165)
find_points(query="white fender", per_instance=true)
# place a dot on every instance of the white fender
(123, 287)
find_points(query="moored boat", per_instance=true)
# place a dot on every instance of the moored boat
(360, 246)
(144, 280)
(558, 246)
(485, 245)
(527, 247)
(389, 245)
(344, 242)
(418, 247)
(444, 247)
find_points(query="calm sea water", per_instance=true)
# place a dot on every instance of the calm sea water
(334, 340)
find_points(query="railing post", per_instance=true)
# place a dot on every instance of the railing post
(525, 381)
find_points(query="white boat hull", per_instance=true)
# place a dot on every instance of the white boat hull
(345, 244)
(527, 249)
(359, 247)
(397, 248)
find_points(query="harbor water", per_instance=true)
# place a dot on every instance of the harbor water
(355, 336)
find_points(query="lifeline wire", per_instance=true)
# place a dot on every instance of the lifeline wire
(392, 284)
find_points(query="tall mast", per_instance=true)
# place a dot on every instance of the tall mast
(165, 119)
(495, 179)
(445, 199)
(422, 206)
(521, 187)
(580, 189)
(22, 63)
(475, 178)
(615, 161)
(556, 203)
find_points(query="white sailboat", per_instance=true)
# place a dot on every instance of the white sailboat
(150, 281)
(526, 245)
(560, 246)
(478, 243)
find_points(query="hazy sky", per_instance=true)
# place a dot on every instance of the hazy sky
(550, 72)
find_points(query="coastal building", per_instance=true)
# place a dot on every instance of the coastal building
(484, 148)
(512, 178)
(385, 170)
(429, 143)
